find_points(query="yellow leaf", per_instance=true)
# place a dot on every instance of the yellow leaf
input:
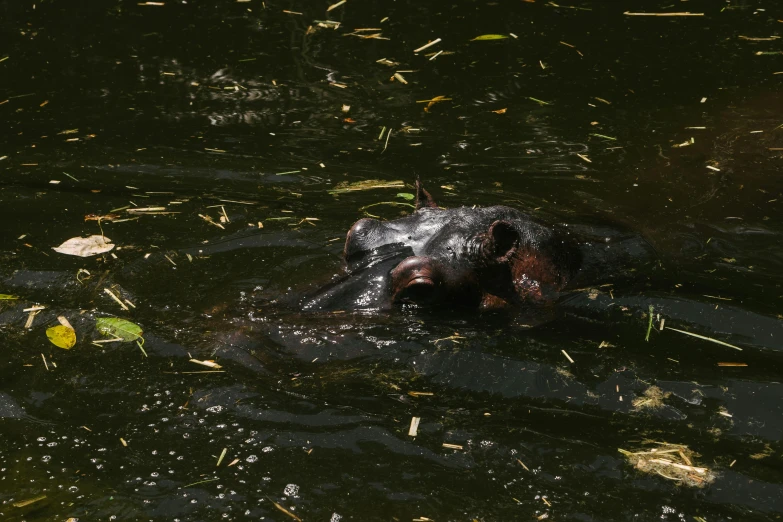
(62, 336)
(485, 37)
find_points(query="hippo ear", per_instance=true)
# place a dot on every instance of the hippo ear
(423, 198)
(502, 241)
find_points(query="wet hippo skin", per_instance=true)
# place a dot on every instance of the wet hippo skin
(483, 258)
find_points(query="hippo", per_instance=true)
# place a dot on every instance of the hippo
(472, 258)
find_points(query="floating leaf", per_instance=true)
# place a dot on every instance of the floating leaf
(27, 502)
(485, 37)
(122, 328)
(8, 297)
(85, 246)
(406, 195)
(61, 336)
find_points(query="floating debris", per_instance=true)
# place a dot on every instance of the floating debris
(327, 24)
(564, 43)
(119, 328)
(146, 209)
(682, 13)
(31, 316)
(427, 45)
(432, 56)
(488, 37)
(649, 323)
(284, 510)
(85, 246)
(652, 398)
(672, 462)
(239, 202)
(23, 503)
(117, 299)
(209, 364)
(687, 143)
(432, 102)
(61, 336)
(716, 341)
(414, 429)
(369, 184)
(334, 6)
(361, 33)
(211, 221)
(222, 456)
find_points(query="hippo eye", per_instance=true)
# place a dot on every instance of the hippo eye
(363, 235)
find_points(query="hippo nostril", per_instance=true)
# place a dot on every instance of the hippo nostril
(420, 281)
(415, 280)
(419, 290)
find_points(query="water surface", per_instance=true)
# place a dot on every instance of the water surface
(665, 126)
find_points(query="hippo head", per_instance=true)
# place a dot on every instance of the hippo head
(486, 258)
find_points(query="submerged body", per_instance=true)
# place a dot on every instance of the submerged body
(484, 258)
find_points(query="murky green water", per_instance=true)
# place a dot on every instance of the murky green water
(666, 126)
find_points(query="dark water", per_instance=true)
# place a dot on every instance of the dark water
(193, 105)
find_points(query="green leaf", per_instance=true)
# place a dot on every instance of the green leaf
(485, 37)
(6, 297)
(61, 336)
(405, 195)
(116, 327)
